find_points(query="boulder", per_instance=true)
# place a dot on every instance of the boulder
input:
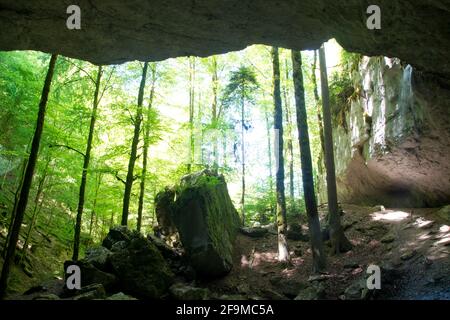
(98, 257)
(205, 218)
(294, 232)
(254, 232)
(46, 296)
(314, 292)
(140, 267)
(408, 254)
(182, 291)
(444, 213)
(95, 291)
(357, 290)
(388, 238)
(91, 275)
(288, 287)
(166, 227)
(118, 246)
(120, 296)
(167, 251)
(116, 234)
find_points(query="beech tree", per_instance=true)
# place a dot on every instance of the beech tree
(86, 160)
(146, 146)
(240, 91)
(134, 146)
(283, 250)
(339, 241)
(22, 200)
(315, 235)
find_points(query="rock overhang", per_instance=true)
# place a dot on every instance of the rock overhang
(118, 31)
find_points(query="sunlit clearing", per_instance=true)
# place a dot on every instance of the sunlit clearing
(444, 241)
(389, 215)
(424, 236)
(422, 223)
(244, 261)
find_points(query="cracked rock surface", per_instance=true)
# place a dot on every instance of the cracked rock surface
(116, 31)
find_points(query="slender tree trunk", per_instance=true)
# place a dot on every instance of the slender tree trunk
(243, 158)
(191, 112)
(283, 250)
(317, 101)
(37, 207)
(16, 200)
(339, 241)
(214, 116)
(111, 220)
(290, 146)
(28, 179)
(320, 162)
(319, 261)
(94, 204)
(134, 145)
(269, 155)
(145, 153)
(224, 149)
(87, 158)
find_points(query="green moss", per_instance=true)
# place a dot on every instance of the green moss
(206, 220)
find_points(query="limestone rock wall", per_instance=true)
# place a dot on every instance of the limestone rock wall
(395, 147)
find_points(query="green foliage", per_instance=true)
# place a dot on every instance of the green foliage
(241, 87)
(67, 125)
(342, 88)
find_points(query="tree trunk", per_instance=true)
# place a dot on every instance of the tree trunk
(269, 155)
(145, 153)
(37, 207)
(319, 262)
(289, 135)
(16, 199)
(320, 162)
(339, 241)
(87, 158)
(134, 145)
(317, 101)
(191, 112)
(28, 179)
(283, 250)
(94, 204)
(214, 116)
(243, 158)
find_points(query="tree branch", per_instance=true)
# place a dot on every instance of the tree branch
(119, 178)
(81, 69)
(67, 147)
(106, 84)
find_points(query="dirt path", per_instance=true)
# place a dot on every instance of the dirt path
(413, 242)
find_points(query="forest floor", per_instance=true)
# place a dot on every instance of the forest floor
(43, 263)
(415, 242)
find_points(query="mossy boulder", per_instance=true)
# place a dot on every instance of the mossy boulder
(444, 213)
(140, 267)
(205, 218)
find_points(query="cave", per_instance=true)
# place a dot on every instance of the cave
(115, 32)
(390, 138)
